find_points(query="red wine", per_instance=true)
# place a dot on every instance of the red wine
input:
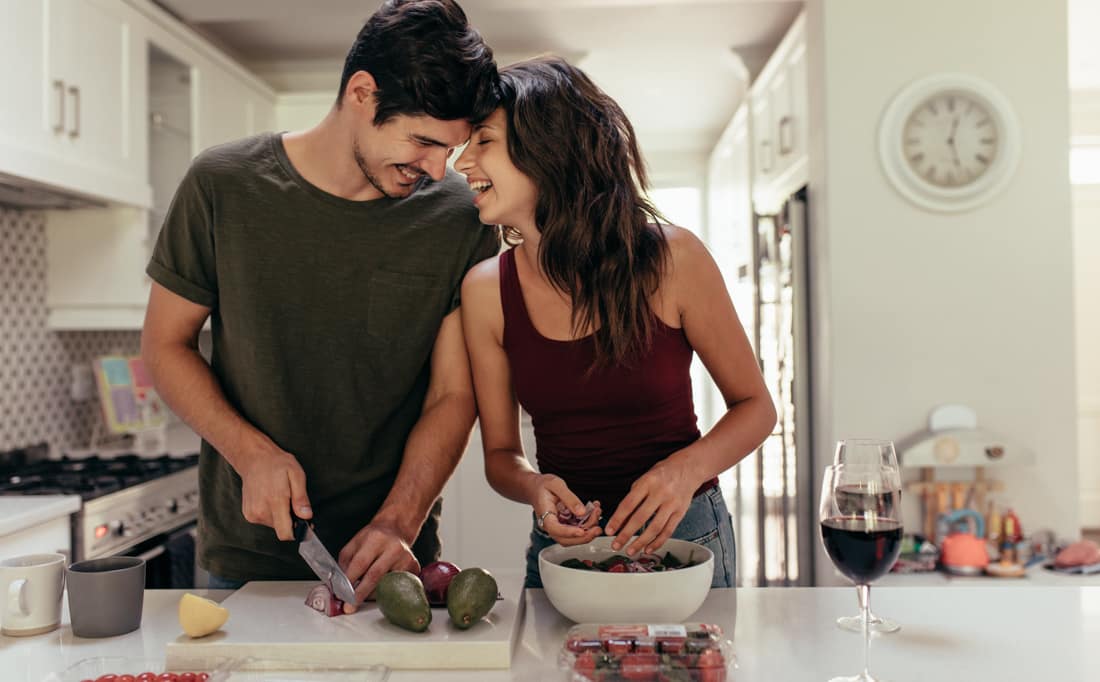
(863, 549)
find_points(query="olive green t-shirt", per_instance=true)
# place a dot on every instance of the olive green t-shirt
(324, 313)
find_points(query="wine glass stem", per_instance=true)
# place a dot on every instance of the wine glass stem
(865, 614)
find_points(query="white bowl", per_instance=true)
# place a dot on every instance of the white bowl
(598, 597)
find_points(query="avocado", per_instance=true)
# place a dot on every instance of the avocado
(471, 595)
(401, 597)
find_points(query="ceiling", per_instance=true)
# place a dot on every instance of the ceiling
(670, 63)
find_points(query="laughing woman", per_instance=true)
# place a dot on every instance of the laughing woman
(590, 324)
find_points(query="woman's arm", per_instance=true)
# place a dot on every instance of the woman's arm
(710, 322)
(506, 465)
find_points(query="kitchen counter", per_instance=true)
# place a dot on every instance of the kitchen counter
(19, 512)
(779, 634)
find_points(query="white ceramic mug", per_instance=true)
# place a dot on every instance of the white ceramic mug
(31, 588)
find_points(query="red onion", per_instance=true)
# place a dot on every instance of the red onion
(568, 518)
(437, 577)
(322, 599)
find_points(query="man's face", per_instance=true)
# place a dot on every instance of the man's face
(396, 155)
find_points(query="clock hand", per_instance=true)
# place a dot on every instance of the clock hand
(951, 141)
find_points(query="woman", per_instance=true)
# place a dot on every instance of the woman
(590, 323)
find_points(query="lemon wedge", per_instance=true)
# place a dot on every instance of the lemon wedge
(199, 617)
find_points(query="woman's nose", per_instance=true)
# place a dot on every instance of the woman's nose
(465, 160)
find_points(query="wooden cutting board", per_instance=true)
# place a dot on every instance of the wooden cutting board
(270, 622)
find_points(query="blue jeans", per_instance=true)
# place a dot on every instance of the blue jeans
(707, 522)
(219, 583)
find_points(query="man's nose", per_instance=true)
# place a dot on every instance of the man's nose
(436, 164)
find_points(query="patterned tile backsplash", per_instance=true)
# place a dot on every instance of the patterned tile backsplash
(36, 363)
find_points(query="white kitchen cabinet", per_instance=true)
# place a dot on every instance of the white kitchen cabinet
(22, 116)
(229, 109)
(70, 98)
(90, 84)
(780, 121)
(96, 257)
(44, 538)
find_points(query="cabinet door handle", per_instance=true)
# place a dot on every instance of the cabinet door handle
(59, 86)
(75, 92)
(765, 156)
(786, 135)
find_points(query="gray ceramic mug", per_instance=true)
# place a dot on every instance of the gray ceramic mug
(106, 596)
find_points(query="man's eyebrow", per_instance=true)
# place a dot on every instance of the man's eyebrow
(427, 140)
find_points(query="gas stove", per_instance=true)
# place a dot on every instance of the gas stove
(128, 499)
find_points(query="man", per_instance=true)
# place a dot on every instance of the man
(329, 263)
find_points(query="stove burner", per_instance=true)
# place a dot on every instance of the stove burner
(90, 477)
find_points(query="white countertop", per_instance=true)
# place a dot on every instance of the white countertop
(779, 634)
(1034, 577)
(19, 512)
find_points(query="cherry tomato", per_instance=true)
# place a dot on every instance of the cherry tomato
(617, 568)
(203, 677)
(188, 677)
(126, 678)
(168, 677)
(107, 678)
(147, 677)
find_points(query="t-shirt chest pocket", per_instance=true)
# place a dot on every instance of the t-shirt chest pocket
(404, 311)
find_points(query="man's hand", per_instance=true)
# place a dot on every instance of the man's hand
(372, 553)
(271, 483)
(659, 498)
(550, 495)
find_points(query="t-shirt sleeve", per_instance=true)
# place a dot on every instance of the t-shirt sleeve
(183, 258)
(488, 245)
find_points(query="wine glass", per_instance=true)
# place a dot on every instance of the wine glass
(861, 531)
(866, 453)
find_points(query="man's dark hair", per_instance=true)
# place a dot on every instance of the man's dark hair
(425, 59)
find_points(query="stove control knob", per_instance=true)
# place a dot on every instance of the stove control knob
(173, 505)
(117, 528)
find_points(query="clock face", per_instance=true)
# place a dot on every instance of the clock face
(950, 139)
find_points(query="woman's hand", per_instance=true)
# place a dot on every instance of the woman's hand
(659, 498)
(551, 495)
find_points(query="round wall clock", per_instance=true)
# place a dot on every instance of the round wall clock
(949, 142)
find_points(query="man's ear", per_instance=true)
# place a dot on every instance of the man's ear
(360, 90)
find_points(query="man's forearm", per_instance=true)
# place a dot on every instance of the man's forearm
(186, 383)
(432, 452)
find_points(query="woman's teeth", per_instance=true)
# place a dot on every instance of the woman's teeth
(480, 186)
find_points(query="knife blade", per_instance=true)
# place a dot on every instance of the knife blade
(320, 560)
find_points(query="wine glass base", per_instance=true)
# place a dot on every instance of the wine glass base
(855, 624)
(862, 677)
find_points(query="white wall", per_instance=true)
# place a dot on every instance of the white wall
(915, 309)
(1085, 125)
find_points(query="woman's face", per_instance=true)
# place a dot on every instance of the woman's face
(503, 195)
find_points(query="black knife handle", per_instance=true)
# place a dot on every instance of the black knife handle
(301, 526)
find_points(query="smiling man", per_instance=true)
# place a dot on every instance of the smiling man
(329, 262)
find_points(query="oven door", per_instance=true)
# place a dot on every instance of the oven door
(169, 558)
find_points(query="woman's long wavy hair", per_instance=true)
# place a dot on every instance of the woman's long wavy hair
(601, 241)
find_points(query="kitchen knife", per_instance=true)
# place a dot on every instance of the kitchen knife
(313, 551)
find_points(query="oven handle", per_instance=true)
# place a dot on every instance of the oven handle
(152, 553)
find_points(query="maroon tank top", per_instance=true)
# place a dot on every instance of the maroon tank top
(600, 431)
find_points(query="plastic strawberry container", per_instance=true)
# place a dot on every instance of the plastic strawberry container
(650, 652)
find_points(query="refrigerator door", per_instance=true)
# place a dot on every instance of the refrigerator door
(774, 503)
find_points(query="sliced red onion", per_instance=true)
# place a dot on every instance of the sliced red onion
(322, 599)
(568, 518)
